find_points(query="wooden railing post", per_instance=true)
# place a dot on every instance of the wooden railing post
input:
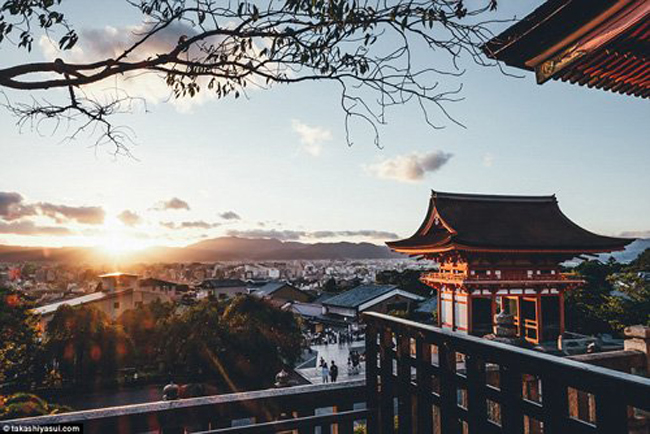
(611, 412)
(386, 395)
(476, 401)
(512, 417)
(555, 400)
(424, 411)
(448, 398)
(405, 401)
(372, 371)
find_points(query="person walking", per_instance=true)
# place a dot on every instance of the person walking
(334, 372)
(324, 371)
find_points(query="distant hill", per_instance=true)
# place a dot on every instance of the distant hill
(217, 249)
(630, 253)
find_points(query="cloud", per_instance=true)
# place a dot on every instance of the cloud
(636, 234)
(173, 203)
(198, 224)
(230, 215)
(409, 168)
(311, 137)
(291, 235)
(12, 207)
(488, 160)
(361, 233)
(29, 228)
(284, 235)
(129, 218)
(92, 215)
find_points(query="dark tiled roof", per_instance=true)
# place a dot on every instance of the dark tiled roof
(222, 283)
(355, 297)
(428, 306)
(547, 25)
(601, 44)
(510, 223)
(269, 288)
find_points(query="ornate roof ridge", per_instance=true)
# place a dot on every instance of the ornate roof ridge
(492, 197)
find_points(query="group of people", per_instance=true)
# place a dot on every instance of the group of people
(354, 362)
(328, 373)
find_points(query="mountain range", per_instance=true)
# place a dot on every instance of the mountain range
(235, 249)
(216, 249)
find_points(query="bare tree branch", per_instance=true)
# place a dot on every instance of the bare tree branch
(372, 49)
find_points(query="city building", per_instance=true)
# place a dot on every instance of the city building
(223, 288)
(281, 293)
(116, 293)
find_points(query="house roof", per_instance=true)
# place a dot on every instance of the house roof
(269, 288)
(355, 297)
(306, 309)
(150, 281)
(222, 283)
(527, 224)
(428, 306)
(599, 43)
(78, 301)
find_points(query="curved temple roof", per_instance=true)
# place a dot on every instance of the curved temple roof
(490, 223)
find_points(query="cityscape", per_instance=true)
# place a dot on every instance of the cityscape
(342, 217)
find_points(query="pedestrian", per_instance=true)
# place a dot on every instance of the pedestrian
(334, 372)
(325, 372)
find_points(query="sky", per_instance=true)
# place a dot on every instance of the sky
(277, 164)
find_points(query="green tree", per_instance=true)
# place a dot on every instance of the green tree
(263, 338)
(629, 304)
(145, 327)
(642, 262)
(583, 305)
(240, 343)
(81, 343)
(21, 405)
(20, 347)
(193, 342)
(408, 280)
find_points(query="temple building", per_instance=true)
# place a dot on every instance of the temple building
(596, 43)
(501, 253)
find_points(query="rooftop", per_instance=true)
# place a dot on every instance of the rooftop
(474, 222)
(598, 43)
(355, 297)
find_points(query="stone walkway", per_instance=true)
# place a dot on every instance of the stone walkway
(338, 353)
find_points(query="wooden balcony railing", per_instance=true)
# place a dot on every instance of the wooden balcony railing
(419, 379)
(299, 409)
(497, 388)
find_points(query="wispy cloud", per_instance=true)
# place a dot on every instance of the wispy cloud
(636, 234)
(230, 215)
(92, 215)
(381, 235)
(30, 228)
(294, 235)
(283, 235)
(196, 224)
(409, 168)
(311, 137)
(129, 218)
(488, 160)
(13, 207)
(172, 204)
